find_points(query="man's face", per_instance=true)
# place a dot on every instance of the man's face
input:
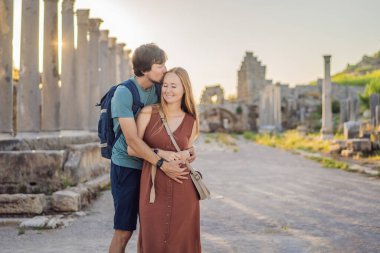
(156, 74)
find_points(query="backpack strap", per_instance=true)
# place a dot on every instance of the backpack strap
(136, 102)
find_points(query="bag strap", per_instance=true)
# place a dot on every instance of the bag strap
(169, 132)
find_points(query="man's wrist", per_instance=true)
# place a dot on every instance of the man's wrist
(159, 163)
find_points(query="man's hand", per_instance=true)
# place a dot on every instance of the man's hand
(172, 170)
(192, 154)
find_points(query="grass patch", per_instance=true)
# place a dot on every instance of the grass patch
(330, 163)
(227, 140)
(67, 182)
(290, 140)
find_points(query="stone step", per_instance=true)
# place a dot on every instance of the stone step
(71, 199)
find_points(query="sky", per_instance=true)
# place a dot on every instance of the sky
(209, 38)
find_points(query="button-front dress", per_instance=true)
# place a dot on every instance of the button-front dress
(172, 223)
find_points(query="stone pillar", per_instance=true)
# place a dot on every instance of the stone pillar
(343, 112)
(374, 100)
(50, 76)
(277, 107)
(112, 60)
(6, 64)
(302, 115)
(354, 109)
(103, 62)
(28, 92)
(120, 63)
(377, 117)
(327, 123)
(128, 64)
(94, 92)
(68, 120)
(82, 70)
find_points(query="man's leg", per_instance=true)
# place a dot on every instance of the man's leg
(119, 241)
(125, 187)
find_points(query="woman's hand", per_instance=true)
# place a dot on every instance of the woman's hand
(169, 155)
(185, 155)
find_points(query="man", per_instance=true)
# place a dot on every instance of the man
(149, 68)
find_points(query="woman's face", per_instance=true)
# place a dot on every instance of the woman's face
(172, 89)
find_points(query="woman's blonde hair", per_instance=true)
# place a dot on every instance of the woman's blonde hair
(188, 102)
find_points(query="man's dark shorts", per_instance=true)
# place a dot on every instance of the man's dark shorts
(125, 188)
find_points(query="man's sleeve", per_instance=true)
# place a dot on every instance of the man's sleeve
(121, 103)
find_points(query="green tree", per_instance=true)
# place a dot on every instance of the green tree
(372, 87)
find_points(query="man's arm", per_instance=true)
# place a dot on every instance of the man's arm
(129, 128)
(190, 147)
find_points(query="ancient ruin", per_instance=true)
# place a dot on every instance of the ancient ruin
(49, 151)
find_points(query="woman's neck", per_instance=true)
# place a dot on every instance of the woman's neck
(174, 110)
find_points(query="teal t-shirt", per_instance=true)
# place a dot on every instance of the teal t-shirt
(121, 107)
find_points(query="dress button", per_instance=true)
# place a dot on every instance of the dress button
(164, 241)
(168, 206)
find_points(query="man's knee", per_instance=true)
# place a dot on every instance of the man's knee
(123, 236)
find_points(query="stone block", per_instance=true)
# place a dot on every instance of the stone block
(66, 201)
(337, 146)
(351, 129)
(22, 203)
(347, 153)
(46, 141)
(84, 162)
(359, 145)
(86, 195)
(35, 171)
(35, 222)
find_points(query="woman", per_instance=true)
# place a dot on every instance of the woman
(172, 223)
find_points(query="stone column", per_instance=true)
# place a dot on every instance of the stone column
(377, 117)
(343, 112)
(68, 119)
(327, 123)
(128, 64)
(94, 92)
(82, 70)
(120, 63)
(50, 76)
(6, 64)
(374, 100)
(112, 60)
(277, 107)
(28, 92)
(103, 62)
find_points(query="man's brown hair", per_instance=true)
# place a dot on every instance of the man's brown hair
(145, 56)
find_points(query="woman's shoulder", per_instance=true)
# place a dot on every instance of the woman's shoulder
(150, 109)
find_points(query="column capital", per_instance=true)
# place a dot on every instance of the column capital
(126, 53)
(104, 35)
(68, 5)
(111, 42)
(82, 16)
(120, 47)
(327, 58)
(94, 24)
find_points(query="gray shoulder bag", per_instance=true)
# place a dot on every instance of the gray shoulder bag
(196, 176)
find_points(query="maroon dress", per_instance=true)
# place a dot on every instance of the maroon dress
(172, 223)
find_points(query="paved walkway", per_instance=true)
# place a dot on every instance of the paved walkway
(273, 201)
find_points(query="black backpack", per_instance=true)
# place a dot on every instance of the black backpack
(105, 125)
